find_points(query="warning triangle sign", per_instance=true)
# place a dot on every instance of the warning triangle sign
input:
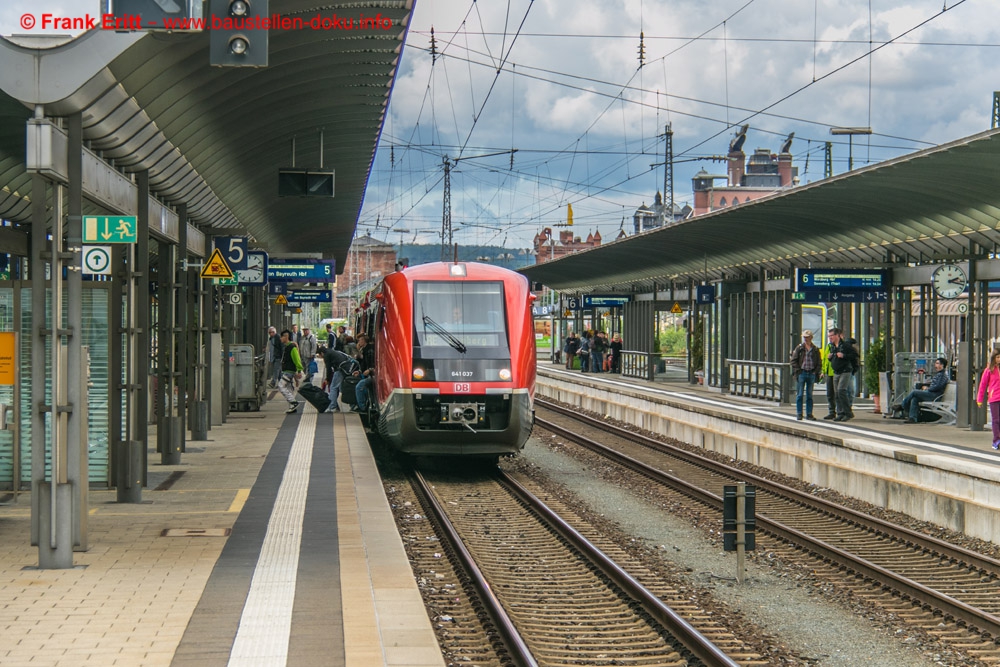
(216, 267)
(281, 300)
(676, 310)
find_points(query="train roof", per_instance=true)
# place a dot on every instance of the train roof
(467, 270)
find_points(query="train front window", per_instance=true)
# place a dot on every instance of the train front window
(460, 331)
(470, 313)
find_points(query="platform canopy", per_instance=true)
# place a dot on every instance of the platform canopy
(926, 206)
(215, 137)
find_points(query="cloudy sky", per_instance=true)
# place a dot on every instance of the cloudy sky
(560, 82)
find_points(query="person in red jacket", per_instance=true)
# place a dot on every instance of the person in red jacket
(990, 383)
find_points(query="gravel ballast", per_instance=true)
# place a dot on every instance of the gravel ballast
(786, 604)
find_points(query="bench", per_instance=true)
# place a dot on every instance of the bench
(944, 406)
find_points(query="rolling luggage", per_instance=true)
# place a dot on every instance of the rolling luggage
(347, 388)
(316, 396)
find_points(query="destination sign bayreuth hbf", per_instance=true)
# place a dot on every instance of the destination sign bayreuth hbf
(313, 270)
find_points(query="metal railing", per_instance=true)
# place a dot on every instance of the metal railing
(766, 380)
(638, 364)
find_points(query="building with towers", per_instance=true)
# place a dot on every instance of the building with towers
(546, 247)
(747, 179)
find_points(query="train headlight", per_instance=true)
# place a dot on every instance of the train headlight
(504, 374)
(418, 373)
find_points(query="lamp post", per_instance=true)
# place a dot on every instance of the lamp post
(850, 132)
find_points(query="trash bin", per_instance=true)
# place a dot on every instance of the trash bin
(244, 395)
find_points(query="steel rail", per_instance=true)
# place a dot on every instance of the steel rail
(696, 643)
(511, 638)
(904, 586)
(932, 544)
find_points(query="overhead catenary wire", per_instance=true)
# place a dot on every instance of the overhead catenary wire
(513, 176)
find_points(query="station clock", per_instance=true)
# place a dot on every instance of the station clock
(949, 281)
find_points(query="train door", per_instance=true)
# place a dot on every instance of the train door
(814, 318)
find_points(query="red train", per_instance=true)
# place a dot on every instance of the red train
(454, 359)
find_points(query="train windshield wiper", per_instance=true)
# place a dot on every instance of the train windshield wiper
(444, 333)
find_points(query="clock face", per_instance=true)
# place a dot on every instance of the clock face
(949, 281)
(254, 273)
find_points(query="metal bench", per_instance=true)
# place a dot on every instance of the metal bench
(944, 406)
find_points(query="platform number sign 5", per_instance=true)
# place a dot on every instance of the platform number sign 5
(234, 250)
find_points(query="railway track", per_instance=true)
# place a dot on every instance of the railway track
(948, 591)
(551, 595)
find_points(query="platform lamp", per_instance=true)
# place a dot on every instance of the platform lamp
(850, 132)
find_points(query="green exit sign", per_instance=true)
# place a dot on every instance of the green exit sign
(109, 229)
(798, 296)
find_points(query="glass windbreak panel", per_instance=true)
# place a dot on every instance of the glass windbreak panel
(96, 314)
(95, 309)
(459, 315)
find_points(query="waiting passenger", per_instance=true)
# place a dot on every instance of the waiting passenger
(291, 370)
(929, 391)
(843, 359)
(805, 363)
(570, 346)
(616, 353)
(990, 383)
(366, 359)
(338, 366)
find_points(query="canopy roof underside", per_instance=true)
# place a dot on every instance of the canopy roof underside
(929, 205)
(214, 137)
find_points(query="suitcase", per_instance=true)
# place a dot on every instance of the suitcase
(316, 396)
(347, 388)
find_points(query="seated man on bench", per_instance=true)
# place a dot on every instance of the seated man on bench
(926, 391)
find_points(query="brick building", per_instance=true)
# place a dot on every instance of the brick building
(546, 247)
(368, 260)
(747, 179)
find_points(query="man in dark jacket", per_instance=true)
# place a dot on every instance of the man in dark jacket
(570, 347)
(843, 359)
(338, 366)
(926, 391)
(805, 361)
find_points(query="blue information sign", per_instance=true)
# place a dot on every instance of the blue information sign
(605, 300)
(310, 296)
(234, 251)
(308, 270)
(846, 296)
(705, 293)
(841, 279)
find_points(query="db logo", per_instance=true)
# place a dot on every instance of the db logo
(462, 388)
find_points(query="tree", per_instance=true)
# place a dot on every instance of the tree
(875, 362)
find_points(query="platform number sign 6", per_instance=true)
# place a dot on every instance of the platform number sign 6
(234, 250)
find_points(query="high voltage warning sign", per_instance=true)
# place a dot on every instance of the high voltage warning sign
(216, 267)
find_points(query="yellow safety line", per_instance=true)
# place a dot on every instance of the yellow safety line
(239, 500)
